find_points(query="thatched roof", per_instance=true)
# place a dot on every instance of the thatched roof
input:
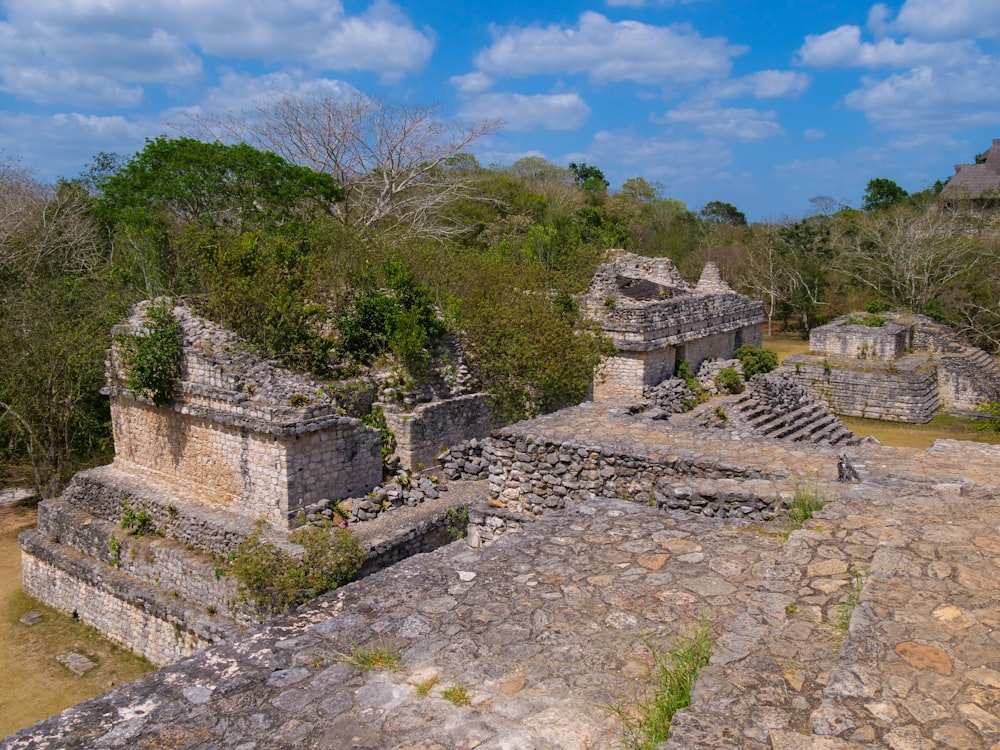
(972, 180)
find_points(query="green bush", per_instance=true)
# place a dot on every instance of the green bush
(274, 581)
(755, 360)
(729, 380)
(153, 355)
(376, 418)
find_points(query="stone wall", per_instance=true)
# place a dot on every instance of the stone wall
(906, 392)
(240, 431)
(145, 620)
(841, 338)
(533, 474)
(423, 433)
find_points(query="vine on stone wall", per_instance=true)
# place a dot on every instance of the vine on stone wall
(153, 355)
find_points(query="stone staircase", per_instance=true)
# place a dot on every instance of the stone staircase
(774, 406)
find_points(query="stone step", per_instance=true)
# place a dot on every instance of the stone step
(159, 562)
(807, 426)
(155, 622)
(778, 421)
(918, 646)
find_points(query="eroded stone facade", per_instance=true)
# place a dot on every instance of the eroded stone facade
(656, 319)
(904, 368)
(241, 432)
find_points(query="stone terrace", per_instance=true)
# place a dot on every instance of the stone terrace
(546, 627)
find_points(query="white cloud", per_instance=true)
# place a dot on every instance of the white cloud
(813, 134)
(160, 41)
(675, 161)
(925, 97)
(471, 83)
(878, 19)
(238, 91)
(520, 112)
(952, 19)
(726, 123)
(50, 86)
(764, 84)
(609, 51)
(843, 48)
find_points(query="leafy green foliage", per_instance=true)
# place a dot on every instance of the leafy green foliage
(882, 193)
(729, 380)
(213, 183)
(724, 213)
(755, 360)
(991, 411)
(136, 519)
(456, 522)
(152, 356)
(274, 581)
(376, 418)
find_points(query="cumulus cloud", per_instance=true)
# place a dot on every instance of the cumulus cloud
(608, 51)
(520, 112)
(933, 19)
(764, 84)
(162, 41)
(843, 48)
(726, 123)
(471, 83)
(926, 97)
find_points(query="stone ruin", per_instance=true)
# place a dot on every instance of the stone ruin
(656, 320)
(896, 367)
(241, 442)
(241, 432)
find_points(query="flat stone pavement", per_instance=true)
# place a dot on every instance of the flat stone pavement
(544, 629)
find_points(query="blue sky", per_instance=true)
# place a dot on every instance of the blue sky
(764, 105)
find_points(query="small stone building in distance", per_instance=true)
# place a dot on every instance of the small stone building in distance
(656, 320)
(973, 180)
(896, 367)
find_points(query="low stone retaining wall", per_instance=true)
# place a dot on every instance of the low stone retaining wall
(143, 618)
(534, 474)
(903, 393)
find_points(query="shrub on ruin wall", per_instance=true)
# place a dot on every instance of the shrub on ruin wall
(274, 581)
(755, 360)
(152, 356)
(729, 380)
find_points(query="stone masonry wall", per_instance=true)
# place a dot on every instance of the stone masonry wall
(533, 474)
(423, 433)
(885, 342)
(141, 619)
(899, 395)
(264, 475)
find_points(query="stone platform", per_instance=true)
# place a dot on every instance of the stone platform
(875, 626)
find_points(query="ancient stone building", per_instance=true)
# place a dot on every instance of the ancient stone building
(656, 319)
(240, 433)
(903, 368)
(973, 180)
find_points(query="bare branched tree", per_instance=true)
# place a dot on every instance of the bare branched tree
(908, 257)
(44, 226)
(391, 159)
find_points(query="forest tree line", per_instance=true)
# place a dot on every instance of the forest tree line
(335, 234)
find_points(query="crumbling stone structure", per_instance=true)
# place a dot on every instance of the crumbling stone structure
(902, 368)
(240, 432)
(656, 319)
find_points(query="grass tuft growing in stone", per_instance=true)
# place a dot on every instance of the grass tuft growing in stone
(646, 722)
(368, 659)
(808, 501)
(842, 622)
(457, 694)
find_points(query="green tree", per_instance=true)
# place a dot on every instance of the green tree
(725, 213)
(882, 193)
(213, 183)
